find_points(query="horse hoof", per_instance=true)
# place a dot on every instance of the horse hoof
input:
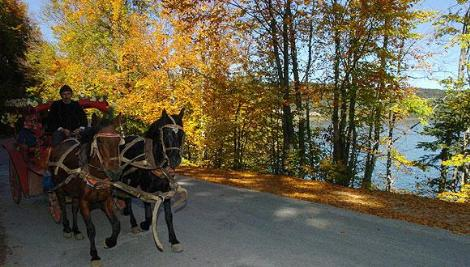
(177, 248)
(96, 263)
(67, 235)
(136, 230)
(109, 243)
(78, 236)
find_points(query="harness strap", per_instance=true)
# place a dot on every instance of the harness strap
(174, 127)
(131, 170)
(149, 152)
(60, 163)
(128, 146)
(146, 162)
(95, 182)
(66, 181)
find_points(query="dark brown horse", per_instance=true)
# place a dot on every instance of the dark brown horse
(87, 186)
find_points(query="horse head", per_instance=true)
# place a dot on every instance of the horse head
(168, 136)
(104, 150)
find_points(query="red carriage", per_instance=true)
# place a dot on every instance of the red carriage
(28, 163)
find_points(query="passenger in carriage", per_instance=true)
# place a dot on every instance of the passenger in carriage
(66, 117)
(26, 133)
(27, 139)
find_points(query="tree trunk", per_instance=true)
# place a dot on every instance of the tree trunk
(298, 96)
(443, 178)
(367, 180)
(391, 126)
(464, 50)
(337, 152)
(283, 77)
(372, 155)
(466, 166)
(351, 134)
(306, 78)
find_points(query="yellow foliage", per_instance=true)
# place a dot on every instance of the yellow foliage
(457, 160)
(460, 197)
(165, 56)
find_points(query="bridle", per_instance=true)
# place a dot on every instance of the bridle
(95, 151)
(175, 128)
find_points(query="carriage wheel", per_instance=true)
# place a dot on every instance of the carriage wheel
(54, 208)
(15, 186)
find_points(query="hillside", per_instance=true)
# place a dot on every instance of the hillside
(430, 93)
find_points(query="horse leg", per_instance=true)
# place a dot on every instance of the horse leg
(134, 228)
(126, 211)
(175, 244)
(76, 233)
(145, 225)
(67, 232)
(107, 208)
(90, 229)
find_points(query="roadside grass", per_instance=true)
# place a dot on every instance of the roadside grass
(454, 217)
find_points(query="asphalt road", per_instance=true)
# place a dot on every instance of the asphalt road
(224, 226)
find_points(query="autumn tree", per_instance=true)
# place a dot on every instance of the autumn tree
(365, 42)
(144, 56)
(450, 124)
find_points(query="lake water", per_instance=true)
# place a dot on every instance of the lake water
(409, 179)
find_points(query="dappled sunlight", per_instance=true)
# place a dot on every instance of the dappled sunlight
(302, 196)
(287, 212)
(317, 223)
(358, 199)
(431, 212)
(311, 186)
(242, 174)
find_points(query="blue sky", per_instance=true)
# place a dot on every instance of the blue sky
(443, 62)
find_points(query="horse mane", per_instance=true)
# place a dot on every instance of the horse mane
(154, 129)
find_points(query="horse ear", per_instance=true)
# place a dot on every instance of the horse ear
(164, 114)
(181, 113)
(117, 119)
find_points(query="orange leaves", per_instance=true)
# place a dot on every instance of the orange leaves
(172, 54)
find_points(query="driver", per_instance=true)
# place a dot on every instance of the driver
(65, 117)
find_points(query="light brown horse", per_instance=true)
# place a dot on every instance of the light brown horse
(81, 184)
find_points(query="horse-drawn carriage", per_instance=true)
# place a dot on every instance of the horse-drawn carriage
(29, 150)
(114, 164)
